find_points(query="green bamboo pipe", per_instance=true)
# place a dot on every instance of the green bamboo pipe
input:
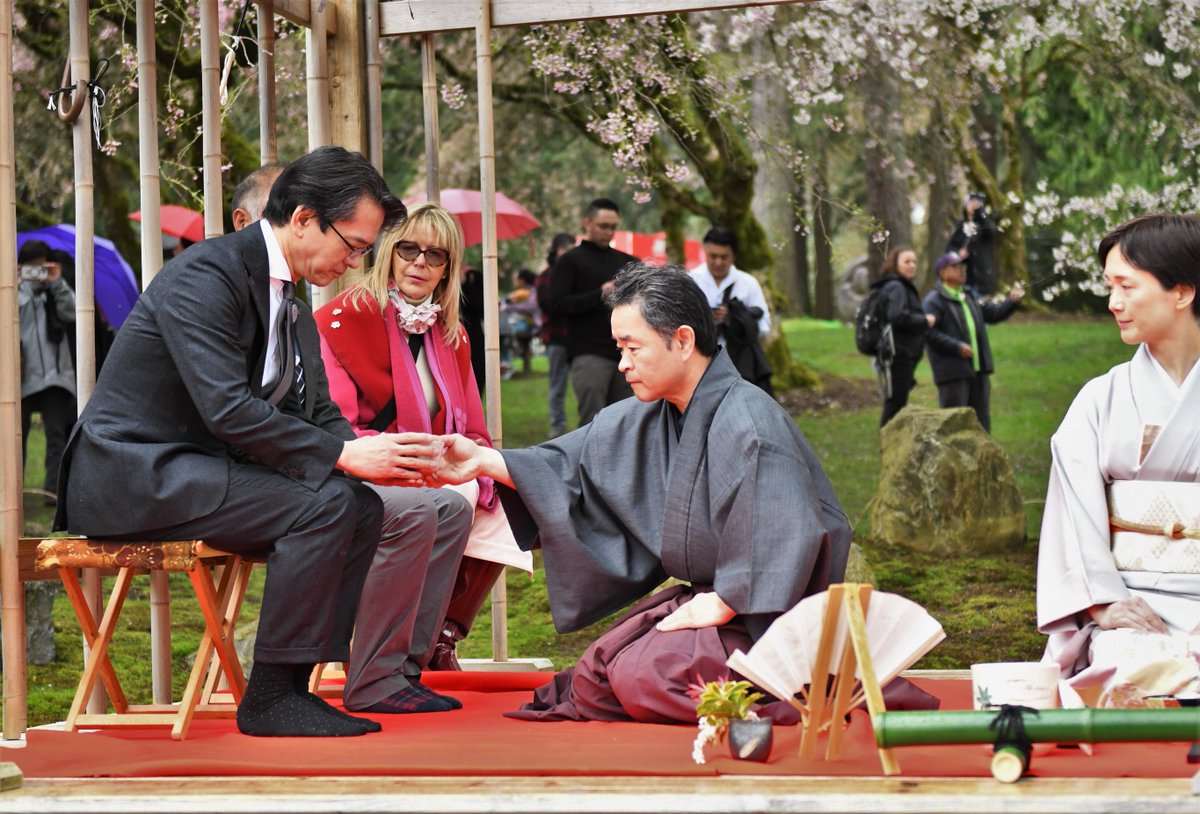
(1047, 726)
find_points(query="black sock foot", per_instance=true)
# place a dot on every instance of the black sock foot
(300, 679)
(294, 716)
(414, 698)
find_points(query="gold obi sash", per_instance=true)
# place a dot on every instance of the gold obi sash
(1155, 526)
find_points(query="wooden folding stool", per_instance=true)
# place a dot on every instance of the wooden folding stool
(219, 605)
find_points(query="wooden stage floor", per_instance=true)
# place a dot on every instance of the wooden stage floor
(593, 795)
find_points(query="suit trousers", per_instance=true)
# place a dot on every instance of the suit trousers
(58, 410)
(556, 395)
(407, 591)
(598, 383)
(974, 393)
(319, 545)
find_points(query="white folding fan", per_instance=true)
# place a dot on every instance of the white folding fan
(861, 630)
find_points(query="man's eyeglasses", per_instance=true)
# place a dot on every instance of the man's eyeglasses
(355, 251)
(411, 251)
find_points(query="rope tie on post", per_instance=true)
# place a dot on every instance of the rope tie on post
(1012, 748)
(79, 92)
(237, 41)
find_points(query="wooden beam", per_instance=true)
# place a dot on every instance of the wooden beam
(404, 17)
(300, 13)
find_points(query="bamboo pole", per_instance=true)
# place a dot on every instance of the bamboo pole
(317, 62)
(85, 233)
(210, 83)
(151, 202)
(429, 95)
(317, 73)
(268, 144)
(1040, 726)
(374, 81)
(491, 285)
(12, 591)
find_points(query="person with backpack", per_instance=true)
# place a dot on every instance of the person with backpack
(904, 325)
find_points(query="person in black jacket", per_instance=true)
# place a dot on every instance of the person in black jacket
(904, 344)
(974, 240)
(959, 352)
(578, 283)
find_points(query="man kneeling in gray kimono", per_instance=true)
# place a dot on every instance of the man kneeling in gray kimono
(703, 477)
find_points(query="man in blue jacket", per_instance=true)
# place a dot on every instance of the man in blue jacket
(959, 353)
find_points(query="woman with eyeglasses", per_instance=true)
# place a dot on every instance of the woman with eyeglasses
(398, 360)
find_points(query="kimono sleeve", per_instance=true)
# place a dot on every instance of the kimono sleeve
(782, 532)
(1075, 565)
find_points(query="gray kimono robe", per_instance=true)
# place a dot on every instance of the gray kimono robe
(729, 497)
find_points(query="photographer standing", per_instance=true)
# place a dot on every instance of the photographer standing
(974, 240)
(47, 316)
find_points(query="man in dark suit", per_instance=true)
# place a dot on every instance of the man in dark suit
(212, 419)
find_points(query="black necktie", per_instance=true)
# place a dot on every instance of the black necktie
(285, 350)
(415, 343)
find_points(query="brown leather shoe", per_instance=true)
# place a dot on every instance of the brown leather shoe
(444, 657)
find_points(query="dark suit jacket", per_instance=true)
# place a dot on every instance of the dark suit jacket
(180, 399)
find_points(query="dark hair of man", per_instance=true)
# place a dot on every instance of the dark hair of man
(596, 206)
(666, 298)
(32, 250)
(721, 236)
(1164, 245)
(253, 183)
(331, 181)
(891, 263)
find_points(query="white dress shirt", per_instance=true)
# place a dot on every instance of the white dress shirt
(745, 288)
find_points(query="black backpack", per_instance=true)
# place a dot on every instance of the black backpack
(868, 319)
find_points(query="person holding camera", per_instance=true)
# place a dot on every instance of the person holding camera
(47, 315)
(974, 240)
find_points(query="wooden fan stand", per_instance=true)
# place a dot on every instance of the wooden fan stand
(824, 709)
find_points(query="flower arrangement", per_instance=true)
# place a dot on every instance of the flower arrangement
(717, 703)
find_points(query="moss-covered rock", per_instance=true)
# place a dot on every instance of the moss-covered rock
(857, 567)
(945, 486)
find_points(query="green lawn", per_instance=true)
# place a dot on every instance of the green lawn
(985, 604)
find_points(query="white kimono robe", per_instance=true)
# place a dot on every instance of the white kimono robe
(1100, 441)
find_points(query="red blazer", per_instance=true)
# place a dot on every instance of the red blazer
(367, 360)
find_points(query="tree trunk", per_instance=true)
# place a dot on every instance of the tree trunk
(800, 290)
(822, 237)
(885, 160)
(944, 206)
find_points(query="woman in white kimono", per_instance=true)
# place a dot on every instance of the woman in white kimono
(1119, 595)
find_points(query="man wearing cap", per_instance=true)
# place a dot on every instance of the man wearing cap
(959, 353)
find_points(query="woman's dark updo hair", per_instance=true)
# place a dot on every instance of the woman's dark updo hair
(1165, 245)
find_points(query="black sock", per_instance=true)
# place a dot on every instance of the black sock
(300, 680)
(414, 698)
(449, 699)
(271, 707)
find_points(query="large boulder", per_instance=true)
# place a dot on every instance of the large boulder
(945, 486)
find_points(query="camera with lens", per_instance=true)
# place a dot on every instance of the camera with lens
(33, 273)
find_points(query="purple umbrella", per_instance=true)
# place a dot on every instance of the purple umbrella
(116, 287)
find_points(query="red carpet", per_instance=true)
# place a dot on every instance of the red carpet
(478, 740)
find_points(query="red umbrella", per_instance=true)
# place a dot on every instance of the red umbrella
(512, 219)
(179, 221)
